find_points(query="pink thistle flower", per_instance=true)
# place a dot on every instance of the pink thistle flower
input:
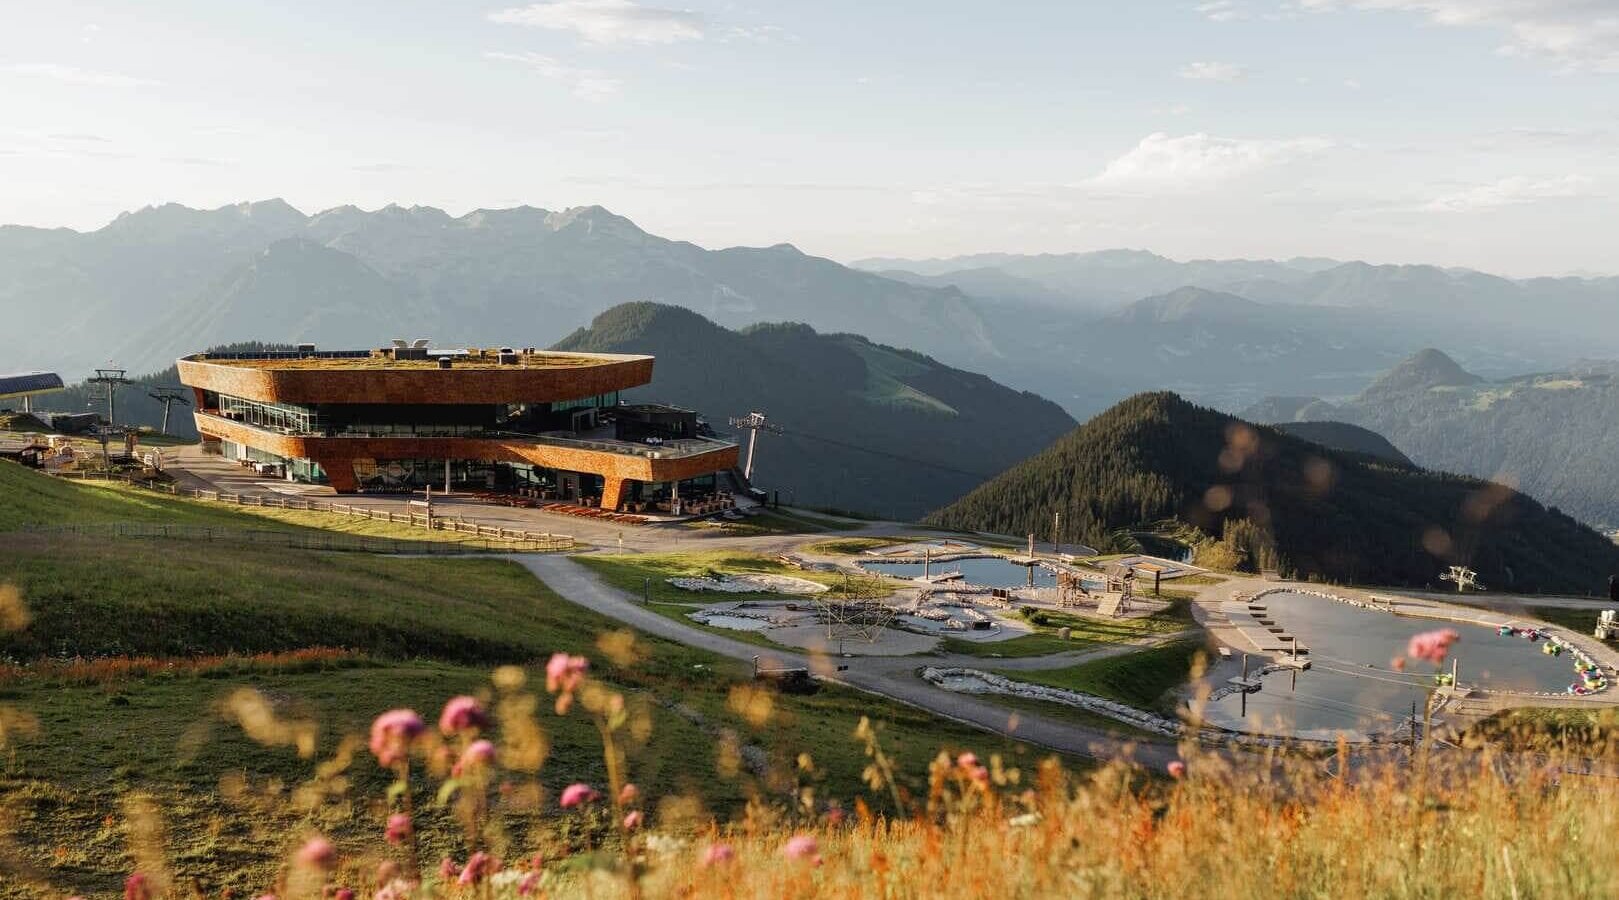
(718, 855)
(576, 794)
(530, 883)
(967, 760)
(317, 853)
(628, 793)
(563, 673)
(397, 889)
(1176, 768)
(399, 828)
(391, 734)
(446, 869)
(477, 755)
(462, 714)
(479, 866)
(343, 894)
(137, 887)
(803, 848)
(632, 820)
(1432, 646)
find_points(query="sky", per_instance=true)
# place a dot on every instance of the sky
(1480, 133)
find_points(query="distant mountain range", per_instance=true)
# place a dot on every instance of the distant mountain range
(1551, 434)
(1136, 320)
(866, 427)
(163, 281)
(1083, 329)
(1268, 500)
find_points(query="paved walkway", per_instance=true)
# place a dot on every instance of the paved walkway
(889, 677)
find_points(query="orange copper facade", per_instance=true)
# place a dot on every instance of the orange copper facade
(417, 385)
(382, 384)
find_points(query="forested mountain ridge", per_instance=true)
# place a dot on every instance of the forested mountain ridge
(868, 427)
(1551, 434)
(1277, 500)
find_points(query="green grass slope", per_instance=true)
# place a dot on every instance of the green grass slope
(1311, 511)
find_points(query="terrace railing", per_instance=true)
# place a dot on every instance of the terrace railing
(491, 537)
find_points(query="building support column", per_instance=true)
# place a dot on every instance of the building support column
(339, 473)
(612, 492)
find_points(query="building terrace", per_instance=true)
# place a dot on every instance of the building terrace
(550, 425)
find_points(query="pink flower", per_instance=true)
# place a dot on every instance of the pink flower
(833, 816)
(399, 828)
(803, 847)
(462, 714)
(477, 755)
(391, 734)
(632, 820)
(979, 775)
(137, 887)
(563, 672)
(1432, 646)
(265, 897)
(575, 794)
(530, 883)
(718, 854)
(1177, 769)
(627, 794)
(446, 869)
(343, 894)
(479, 866)
(1397, 664)
(967, 760)
(317, 853)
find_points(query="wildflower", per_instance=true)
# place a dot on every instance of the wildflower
(462, 714)
(1177, 769)
(479, 866)
(967, 760)
(137, 887)
(628, 793)
(343, 894)
(575, 794)
(391, 734)
(632, 820)
(446, 869)
(803, 847)
(317, 853)
(1397, 664)
(530, 883)
(718, 854)
(478, 753)
(562, 677)
(399, 829)
(1432, 646)
(834, 816)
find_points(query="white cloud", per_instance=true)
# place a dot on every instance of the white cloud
(1221, 10)
(586, 84)
(1575, 35)
(1200, 160)
(1514, 191)
(1212, 71)
(76, 75)
(608, 21)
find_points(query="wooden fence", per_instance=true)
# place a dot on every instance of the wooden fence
(488, 535)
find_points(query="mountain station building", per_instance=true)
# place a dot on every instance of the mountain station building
(544, 424)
